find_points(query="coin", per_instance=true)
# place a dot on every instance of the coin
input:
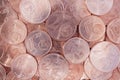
(24, 66)
(38, 43)
(2, 73)
(75, 72)
(53, 67)
(78, 9)
(35, 11)
(99, 7)
(13, 32)
(113, 30)
(76, 50)
(105, 56)
(91, 28)
(95, 74)
(112, 14)
(11, 52)
(61, 25)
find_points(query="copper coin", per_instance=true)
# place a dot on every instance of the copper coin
(75, 72)
(38, 42)
(95, 74)
(2, 73)
(35, 11)
(113, 30)
(99, 7)
(13, 32)
(78, 9)
(115, 75)
(53, 67)
(91, 28)
(76, 50)
(12, 51)
(112, 14)
(24, 66)
(11, 76)
(61, 25)
(105, 56)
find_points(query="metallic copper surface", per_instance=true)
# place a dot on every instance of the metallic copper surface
(95, 74)
(35, 11)
(115, 75)
(8, 52)
(76, 50)
(53, 67)
(38, 43)
(61, 25)
(13, 31)
(113, 30)
(105, 56)
(99, 7)
(22, 68)
(78, 9)
(91, 28)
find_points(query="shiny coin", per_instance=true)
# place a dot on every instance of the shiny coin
(35, 11)
(38, 43)
(91, 28)
(95, 74)
(99, 7)
(24, 66)
(78, 9)
(11, 52)
(13, 32)
(113, 30)
(76, 50)
(61, 26)
(105, 56)
(53, 67)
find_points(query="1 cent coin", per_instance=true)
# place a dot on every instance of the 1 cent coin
(105, 56)
(76, 50)
(38, 43)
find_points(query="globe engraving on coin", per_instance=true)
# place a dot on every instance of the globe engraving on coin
(24, 66)
(35, 11)
(38, 43)
(13, 31)
(61, 26)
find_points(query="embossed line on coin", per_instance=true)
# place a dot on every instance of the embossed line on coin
(38, 43)
(13, 32)
(91, 28)
(61, 25)
(35, 11)
(113, 30)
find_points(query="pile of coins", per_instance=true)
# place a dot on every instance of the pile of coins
(59, 40)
